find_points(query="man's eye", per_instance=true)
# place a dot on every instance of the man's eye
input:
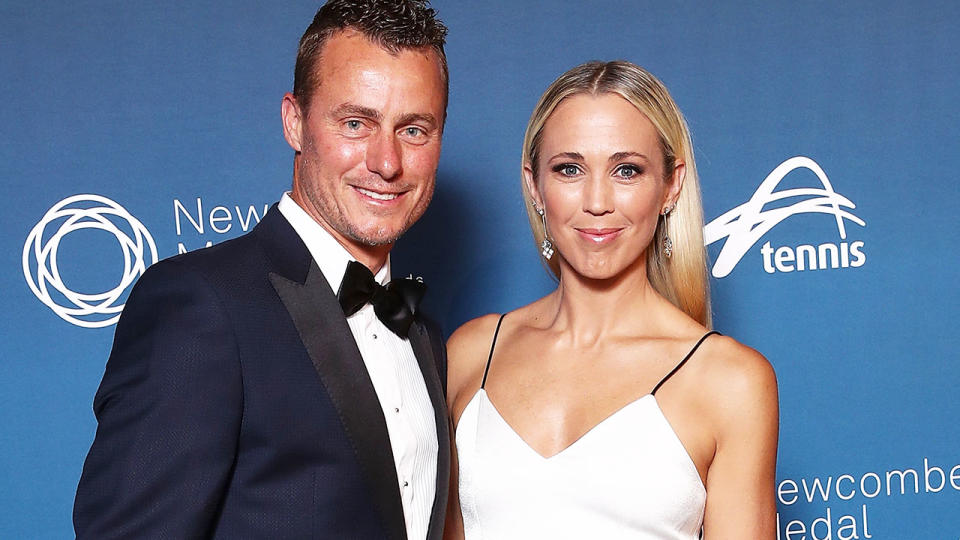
(414, 131)
(353, 124)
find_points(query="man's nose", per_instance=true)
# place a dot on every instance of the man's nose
(383, 155)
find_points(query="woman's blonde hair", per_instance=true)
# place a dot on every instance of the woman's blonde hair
(682, 278)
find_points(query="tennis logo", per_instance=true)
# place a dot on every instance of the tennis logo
(42, 270)
(744, 225)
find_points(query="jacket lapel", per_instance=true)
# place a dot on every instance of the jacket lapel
(330, 345)
(327, 338)
(423, 349)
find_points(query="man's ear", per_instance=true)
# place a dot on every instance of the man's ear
(292, 121)
(531, 185)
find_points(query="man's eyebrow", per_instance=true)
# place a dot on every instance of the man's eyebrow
(413, 118)
(349, 109)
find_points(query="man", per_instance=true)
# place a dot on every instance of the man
(270, 387)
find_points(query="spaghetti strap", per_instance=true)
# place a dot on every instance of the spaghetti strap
(492, 346)
(684, 361)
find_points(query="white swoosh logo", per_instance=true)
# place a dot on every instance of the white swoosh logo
(747, 223)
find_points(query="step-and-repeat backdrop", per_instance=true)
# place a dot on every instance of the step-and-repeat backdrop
(828, 140)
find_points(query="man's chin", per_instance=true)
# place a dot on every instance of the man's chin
(375, 241)
(376, 238)
(379, 232)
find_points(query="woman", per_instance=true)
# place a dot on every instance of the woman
(607, 409)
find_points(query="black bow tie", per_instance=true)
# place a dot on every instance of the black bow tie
(395, 305)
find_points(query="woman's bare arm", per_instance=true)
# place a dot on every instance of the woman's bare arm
(466, 359)
(741, 479)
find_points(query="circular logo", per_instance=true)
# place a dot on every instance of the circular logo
(40, 268)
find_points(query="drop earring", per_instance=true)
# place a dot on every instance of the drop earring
(546, 247)
(667, 242)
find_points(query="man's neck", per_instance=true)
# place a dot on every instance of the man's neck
(371, 256)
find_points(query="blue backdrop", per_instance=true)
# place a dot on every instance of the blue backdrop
(134, 130)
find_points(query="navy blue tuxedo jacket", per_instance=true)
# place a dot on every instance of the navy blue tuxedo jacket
(235, 404)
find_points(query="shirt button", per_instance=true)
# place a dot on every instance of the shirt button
(396, 409)
(406, 484)
(374, 336)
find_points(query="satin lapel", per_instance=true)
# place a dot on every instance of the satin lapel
(422, 348)
(329, 342)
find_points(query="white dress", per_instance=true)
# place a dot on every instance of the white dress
(629, 477)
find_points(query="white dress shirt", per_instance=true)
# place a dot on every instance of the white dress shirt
(395, 374)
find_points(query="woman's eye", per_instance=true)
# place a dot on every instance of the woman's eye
(627, 171)
(568, 169)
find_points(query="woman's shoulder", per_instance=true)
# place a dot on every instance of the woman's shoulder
(473, 333)
(467, 350)
(471, 343)
(737, 364)
(739, 381)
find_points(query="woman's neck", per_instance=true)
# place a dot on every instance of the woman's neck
(590, 310)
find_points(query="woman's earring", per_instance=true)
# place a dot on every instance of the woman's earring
(546, 247)
(667, 242)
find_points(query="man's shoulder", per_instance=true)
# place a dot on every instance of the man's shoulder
(253, 248)
(228, 264)
(225, 253)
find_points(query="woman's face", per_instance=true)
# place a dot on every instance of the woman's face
(601, 182)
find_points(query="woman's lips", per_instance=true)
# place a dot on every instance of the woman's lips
(600, 236)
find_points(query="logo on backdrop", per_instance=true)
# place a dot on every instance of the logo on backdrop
(42, 269)
(744, 225)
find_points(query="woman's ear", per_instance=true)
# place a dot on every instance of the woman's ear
(676, 184)
(531, 185)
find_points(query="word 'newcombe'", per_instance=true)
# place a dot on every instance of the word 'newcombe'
(870, 484)
(220, 219)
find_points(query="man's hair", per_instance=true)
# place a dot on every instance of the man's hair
(394, 25)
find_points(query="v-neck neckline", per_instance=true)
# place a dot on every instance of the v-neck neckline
(576, 442)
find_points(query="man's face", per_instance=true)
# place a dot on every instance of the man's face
(369, 144)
